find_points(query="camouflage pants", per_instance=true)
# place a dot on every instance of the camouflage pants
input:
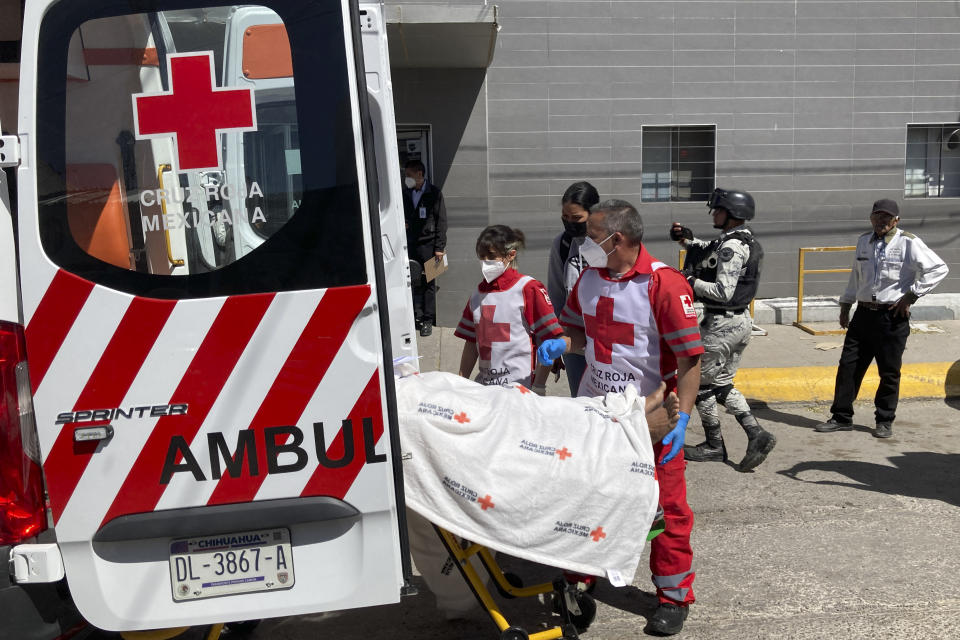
(724, 339)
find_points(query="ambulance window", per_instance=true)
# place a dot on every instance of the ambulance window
(198, 151)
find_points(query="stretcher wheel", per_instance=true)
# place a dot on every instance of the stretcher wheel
(244, 626)
(570, 632)
(514, 580)
(588, 611)
(514, 633)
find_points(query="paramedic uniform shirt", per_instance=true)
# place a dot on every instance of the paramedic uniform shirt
(636, 326)
(508, 318)
(886, 269)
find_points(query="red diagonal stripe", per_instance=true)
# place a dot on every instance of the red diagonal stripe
(53, 318)
(298, 380)
(336, 482)
(106, 388)
(199, 388)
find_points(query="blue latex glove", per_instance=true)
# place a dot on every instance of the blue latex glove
(675, 438)
(550, 350)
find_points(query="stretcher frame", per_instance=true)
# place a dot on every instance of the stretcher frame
(576, 608)
(461, 555)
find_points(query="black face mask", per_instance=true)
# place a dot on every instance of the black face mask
(575, 229)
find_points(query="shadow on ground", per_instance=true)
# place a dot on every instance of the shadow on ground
(764, 412)
(920, 474)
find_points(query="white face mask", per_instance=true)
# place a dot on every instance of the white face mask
(593, 253)
(409, 182)
(492, 269)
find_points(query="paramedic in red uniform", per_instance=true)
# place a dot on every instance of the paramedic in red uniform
(506, 318)
(634, 318)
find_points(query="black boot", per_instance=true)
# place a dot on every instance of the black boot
(759, 442)
(710, 450)
(667, 620)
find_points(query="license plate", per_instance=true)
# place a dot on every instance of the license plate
(231, 563)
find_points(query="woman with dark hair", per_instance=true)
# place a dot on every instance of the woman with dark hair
(506, 318)
(566, 263)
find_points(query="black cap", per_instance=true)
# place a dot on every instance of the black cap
(887, 206)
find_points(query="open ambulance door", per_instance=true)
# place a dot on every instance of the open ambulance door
(204, 297)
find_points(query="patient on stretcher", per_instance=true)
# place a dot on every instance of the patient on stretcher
(565, 482)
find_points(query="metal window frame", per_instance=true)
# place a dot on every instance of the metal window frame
(906, 133)
(672, 128)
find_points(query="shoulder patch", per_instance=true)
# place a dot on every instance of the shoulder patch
(725, 253)
(907, 234)
(546, 296)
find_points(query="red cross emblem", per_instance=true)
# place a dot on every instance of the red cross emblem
(486, 502)
(605, 331)
(489, 331)
(522, 389)
(563, 454)
(598, 534)
(194, 112)
(461, 417)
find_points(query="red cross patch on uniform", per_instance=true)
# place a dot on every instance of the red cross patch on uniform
(688, 309)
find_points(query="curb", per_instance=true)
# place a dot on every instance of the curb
(805, 384)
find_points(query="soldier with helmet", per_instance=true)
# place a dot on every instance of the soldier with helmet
(724, 274)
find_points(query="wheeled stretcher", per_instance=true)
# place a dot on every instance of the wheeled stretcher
(576, 607)
(578, 473)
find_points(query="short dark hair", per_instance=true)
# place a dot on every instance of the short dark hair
(620, 215)
(581, 193)
(416, 165)
(498, 240)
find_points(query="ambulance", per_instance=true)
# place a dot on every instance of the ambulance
(203, 288)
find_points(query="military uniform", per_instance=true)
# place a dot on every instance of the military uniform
(724, 274)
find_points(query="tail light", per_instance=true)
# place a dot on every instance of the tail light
(22, 511)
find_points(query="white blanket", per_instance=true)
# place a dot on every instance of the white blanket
(566, 482)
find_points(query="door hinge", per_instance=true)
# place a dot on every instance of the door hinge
(9, 151)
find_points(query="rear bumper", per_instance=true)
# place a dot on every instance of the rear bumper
(36, 611)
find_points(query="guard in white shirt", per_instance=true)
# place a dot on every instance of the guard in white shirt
(891, 270)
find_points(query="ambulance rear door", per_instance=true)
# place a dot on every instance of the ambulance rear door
(208, 350)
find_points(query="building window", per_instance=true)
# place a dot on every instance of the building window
(678, 163)
(932, 168)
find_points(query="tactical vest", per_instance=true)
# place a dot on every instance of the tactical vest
(749, 273)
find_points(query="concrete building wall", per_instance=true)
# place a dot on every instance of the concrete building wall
(811, 101)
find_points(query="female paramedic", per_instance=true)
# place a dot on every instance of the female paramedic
(566, 263)
(507, 317)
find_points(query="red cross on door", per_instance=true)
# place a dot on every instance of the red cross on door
(489, 332)
(605, 331)
(194, 112)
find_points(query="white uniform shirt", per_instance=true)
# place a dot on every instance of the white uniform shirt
(885, 269)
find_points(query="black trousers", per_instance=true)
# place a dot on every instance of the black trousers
(424, 293)
(871, 335)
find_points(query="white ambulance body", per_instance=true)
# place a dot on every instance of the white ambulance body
(210, 236)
